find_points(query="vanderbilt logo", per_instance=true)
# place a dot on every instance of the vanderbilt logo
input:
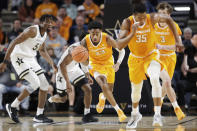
(123, 105)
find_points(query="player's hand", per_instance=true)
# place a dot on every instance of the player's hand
(54, 68)
(90, 80)
(68, 87)
(3, 66)
(116, 66)
(180, 48)
(135, 27)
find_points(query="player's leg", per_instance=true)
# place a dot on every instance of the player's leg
(32, 78)
(44, 85)
(153, 72)
(135, 98)
(88, 117)
(102, 81)
(166, 83)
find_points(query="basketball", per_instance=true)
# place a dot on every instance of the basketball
(80, 54)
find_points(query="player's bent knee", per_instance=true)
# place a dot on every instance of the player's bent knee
(154, 70)
(44, 85)
(136, 92)
(87, 89)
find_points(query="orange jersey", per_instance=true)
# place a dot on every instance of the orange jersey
(65, 27)
(143, 42)
(164, 36)
(93, 8)
(100, 54)
(49, 8)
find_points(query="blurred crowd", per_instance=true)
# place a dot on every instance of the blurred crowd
(73, 17)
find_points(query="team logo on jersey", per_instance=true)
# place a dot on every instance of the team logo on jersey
(19, 61)
(59, 78)
(36, 46)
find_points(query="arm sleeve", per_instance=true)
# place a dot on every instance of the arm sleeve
(121, 55)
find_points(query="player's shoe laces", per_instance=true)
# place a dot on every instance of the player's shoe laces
(179, 113)
(89, 118)
(42, 119)
(12, 112)
(100, 106)
(121, 115)
(157, 121)
(135, 118)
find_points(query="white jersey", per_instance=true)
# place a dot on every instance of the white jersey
(73, 64)
(29, 47)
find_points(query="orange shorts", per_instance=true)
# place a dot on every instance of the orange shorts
(169, 62)
(138, 66)
(106, 70)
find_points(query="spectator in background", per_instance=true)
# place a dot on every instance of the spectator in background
(82, 12)
(77, 30)
(3, 36)
(9, 83)
(65, 23)
(187, 34)
(55, 41)
(46, 7)
(71, 9)
(26, 11)
(15, 4)
(102, 6)
(189, 69)
(92, 10)
(15, 31)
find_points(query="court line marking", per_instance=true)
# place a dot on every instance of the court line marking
(183, 122)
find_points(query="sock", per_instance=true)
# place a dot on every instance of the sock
(15, 103)
(135, 110)
(103, 97)
(86, 111)
(116, 107)
(39, 111)
(175, 104)
(157, 110)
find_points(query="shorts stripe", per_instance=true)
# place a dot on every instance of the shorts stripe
(23, 73)
(78, 79)
(38, 72)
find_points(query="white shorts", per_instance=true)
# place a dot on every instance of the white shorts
(74, 76)
(22, 65)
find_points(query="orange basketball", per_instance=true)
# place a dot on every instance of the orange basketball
(80, 54)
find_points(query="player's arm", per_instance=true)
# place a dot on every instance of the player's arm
(184, 66)
(28, 33)
(124, 35)
(64, 72)
(155, 18)
(83, 43)
(45, 55)
(84, 67)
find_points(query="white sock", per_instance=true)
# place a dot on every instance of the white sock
(175, 104)
(15, 103)
(135, 110)
(39, 111)
(86, 111)
(103, 97)
(116, 107)
(157, 110)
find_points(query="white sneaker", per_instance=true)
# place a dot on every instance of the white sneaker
(135, 118)
(157, 121)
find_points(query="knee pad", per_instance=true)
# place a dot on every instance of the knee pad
(154, 69)
(136, 92)
(34, 81)
(44, 85)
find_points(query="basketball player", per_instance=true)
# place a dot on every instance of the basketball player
(137, 31)
(101, 64)
(166, 44)
(22, 52)
(70, 72)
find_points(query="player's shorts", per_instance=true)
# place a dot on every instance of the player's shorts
(106, 70)
(22, 65)
(76, 77)
(138, 66)
(169, 60)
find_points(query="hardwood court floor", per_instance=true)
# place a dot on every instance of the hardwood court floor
(104, 124)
